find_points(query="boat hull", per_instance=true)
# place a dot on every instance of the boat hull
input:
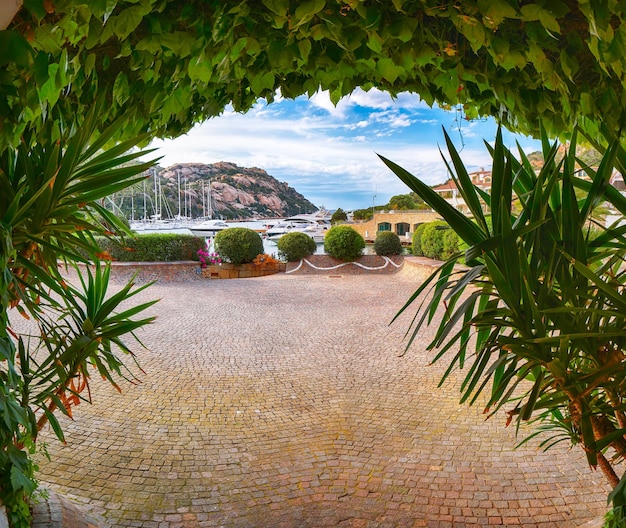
(207, 233)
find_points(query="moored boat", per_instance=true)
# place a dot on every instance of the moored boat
(314, 225)
(317, 233)
(210, 228)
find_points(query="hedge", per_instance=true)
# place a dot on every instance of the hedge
(156, 247)
(344, 243)
(239, 245)
(416, 248)
(295, 246)
(387, 243)
(435, 240)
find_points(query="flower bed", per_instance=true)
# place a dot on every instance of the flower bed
(242, 271)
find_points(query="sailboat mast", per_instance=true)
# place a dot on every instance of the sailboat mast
(160, 200)
(208, 197)
(156, 197)
(178, 174)
(203, 200)
(145, 211)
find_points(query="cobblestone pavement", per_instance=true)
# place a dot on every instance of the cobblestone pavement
(284, 401)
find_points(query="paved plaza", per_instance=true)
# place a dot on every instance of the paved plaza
(285, 401)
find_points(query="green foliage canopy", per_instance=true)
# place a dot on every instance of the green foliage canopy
(339, 216)
(402, 201)
(362, 214)
(171, 64)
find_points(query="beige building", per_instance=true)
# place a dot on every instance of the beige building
(450, 192)
(404, 222)
(401, 222)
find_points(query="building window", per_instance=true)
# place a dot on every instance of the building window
(384, 226)
(402, 228)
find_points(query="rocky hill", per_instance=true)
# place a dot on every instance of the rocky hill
(587, 154)
(221, 190)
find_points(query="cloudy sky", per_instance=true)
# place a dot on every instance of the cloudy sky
(329, 154)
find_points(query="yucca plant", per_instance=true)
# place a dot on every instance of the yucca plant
(50, 186)
(540, 301)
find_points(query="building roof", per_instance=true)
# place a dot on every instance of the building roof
(481, 178)
(446, 186)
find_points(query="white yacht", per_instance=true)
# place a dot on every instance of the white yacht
(208, 229)
(317, 233)
(314, 225)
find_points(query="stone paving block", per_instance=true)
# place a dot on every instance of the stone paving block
(288, 401)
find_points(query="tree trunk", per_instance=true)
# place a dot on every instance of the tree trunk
(608, 470)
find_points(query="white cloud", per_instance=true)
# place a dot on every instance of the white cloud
(330, 157)
(374, 99)
(393, 119)
(381, 100)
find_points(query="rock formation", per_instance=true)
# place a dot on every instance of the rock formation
(220, 190)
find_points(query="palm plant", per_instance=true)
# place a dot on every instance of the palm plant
(540, 300)
(50, 186)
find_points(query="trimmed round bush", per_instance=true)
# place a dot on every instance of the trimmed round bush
(295, 246)
(432, 239)
(417, 240)
(344, 243)
(155, 247)
(239, 245)
(387, 243)
(450, 244)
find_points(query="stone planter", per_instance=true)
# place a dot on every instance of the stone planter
(243, 271)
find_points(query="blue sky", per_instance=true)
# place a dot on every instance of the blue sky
(328, 153)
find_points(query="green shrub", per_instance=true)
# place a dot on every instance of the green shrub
(344, 242)
(295, 246)
(239, 245)
(156, 247)
(451, 244)
(387, 243)
(432, 239)
(416, 248)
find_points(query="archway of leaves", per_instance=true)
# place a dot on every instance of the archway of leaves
(156, 67)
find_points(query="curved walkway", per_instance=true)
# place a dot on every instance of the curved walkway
(283, 402)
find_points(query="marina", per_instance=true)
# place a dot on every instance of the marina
(270, 246)
(314, 225)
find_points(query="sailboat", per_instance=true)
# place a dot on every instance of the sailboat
(211, 227)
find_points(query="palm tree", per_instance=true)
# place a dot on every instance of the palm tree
(49, 212)
(540, 299)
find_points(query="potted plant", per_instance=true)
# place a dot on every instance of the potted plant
(209, 262)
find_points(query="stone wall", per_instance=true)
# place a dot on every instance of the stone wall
(181, 271)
